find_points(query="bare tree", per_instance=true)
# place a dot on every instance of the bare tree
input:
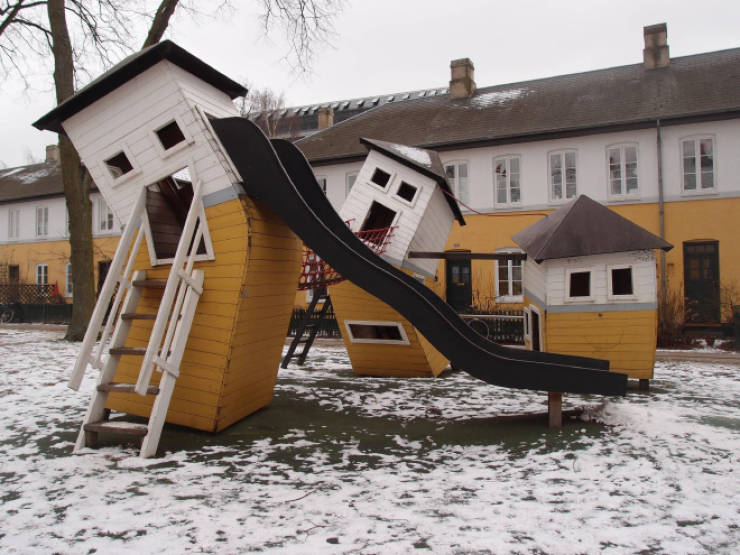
(263, 107)
(79, 36)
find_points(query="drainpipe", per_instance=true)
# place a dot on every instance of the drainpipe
(661, 210)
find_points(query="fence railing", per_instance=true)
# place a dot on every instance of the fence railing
(327, 327)
(503, 326)
(30, 293)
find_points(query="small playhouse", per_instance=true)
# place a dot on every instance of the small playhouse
(590, 287)
(401, 200)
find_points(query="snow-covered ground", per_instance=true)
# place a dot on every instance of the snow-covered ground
(340, 464)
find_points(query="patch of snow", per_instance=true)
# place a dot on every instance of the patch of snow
(343, 464)
(11, 172)
(32, 177)
(485, 100)
(418, 155)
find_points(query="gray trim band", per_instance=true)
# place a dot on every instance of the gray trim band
(535, 298)
(626, 307)
(224, 195)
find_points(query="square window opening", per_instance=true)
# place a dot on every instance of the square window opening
(118, 165)
(380, 177)
(407, 191)
(170, 135)
(580, 284)
(622, 281)
(377, 332)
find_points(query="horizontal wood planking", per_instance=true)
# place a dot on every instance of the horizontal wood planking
(627, 339)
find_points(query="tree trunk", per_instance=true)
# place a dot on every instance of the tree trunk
(160, 22)
(76, 186)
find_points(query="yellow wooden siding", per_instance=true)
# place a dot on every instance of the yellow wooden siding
(353, 303)
(626, 339)
(230, 363)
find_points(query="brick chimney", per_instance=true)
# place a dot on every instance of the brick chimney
(326, 117)
(655, 54)
(52, 154)
(462, 84)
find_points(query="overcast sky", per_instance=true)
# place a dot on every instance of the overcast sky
(384, 46)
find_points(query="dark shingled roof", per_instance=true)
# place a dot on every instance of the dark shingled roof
(703, 85)
(424, 161)
(129, 68)
(584, 227)
(32, 181)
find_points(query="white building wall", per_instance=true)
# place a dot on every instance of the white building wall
(643, 277)
(56, 222)
(592, 173)
(433, 231)
(534, 281)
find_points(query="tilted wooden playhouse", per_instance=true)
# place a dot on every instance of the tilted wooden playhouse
(401, 198)
(590, 286)
(203, 281)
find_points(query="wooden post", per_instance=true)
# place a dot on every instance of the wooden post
(555, 409)
(644, 385)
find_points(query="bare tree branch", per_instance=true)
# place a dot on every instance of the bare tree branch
(160, 22)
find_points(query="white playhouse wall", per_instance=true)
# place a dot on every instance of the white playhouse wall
(145, 103)
(415, 223)
(643, 278)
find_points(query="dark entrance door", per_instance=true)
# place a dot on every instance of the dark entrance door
(535, 323)
(701, 281)
(103, 267)
(459, 284)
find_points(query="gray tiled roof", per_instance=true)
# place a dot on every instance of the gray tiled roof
(32, 181)
(584, 227)
(702, 85)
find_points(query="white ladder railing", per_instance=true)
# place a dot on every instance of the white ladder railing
(119, 274)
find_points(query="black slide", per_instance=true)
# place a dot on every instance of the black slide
(277, 174)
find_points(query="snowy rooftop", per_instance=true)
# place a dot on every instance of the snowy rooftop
(341, 464)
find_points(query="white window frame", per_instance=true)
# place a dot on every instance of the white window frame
(115, 181)
(563, 174)
(166, 153)
(388, 185)
(399, 198)
(42, 271)
(68, 284)
(14, 218)
(508, 298)
(42, 222)
(105, 225)
(590, 296)
(507, 158)
(349, 176)
(455, 182)
(403, 341)
(623, 194)
(609, 292)
(699, 190)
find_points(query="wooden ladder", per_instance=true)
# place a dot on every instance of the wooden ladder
(170, 331)
(309, 325)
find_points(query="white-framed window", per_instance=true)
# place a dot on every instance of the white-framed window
(68, 288)
(507, 188)
(14, 219)
(508, 278)
(105, 216)
(349, 181)
(579, 285)
(697, 164)
(562, 175)
(622, 167)
(42, 221)
(321, 180)
(363, 331)
(457, 177)
(42, 274)
(381, 178)
(620, 282)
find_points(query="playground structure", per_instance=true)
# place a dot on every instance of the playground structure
(204, 277)
(590, 287)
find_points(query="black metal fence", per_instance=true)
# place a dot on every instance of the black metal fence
(503, 326)
(327, 327)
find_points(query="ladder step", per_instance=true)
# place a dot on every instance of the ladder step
(154, 283)
(114, 387)
(138, 316)
(128, 351)
(117, 427)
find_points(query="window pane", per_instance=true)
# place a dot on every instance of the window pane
(462, 186)
(689, 182)
(630, 154)
(515, 190)
(556, 176)
(450, 171)
(501, 189)
(516, 288)
(688, 148)
(463, 170)
(615, 171)
(580, 284)
(622, 281)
